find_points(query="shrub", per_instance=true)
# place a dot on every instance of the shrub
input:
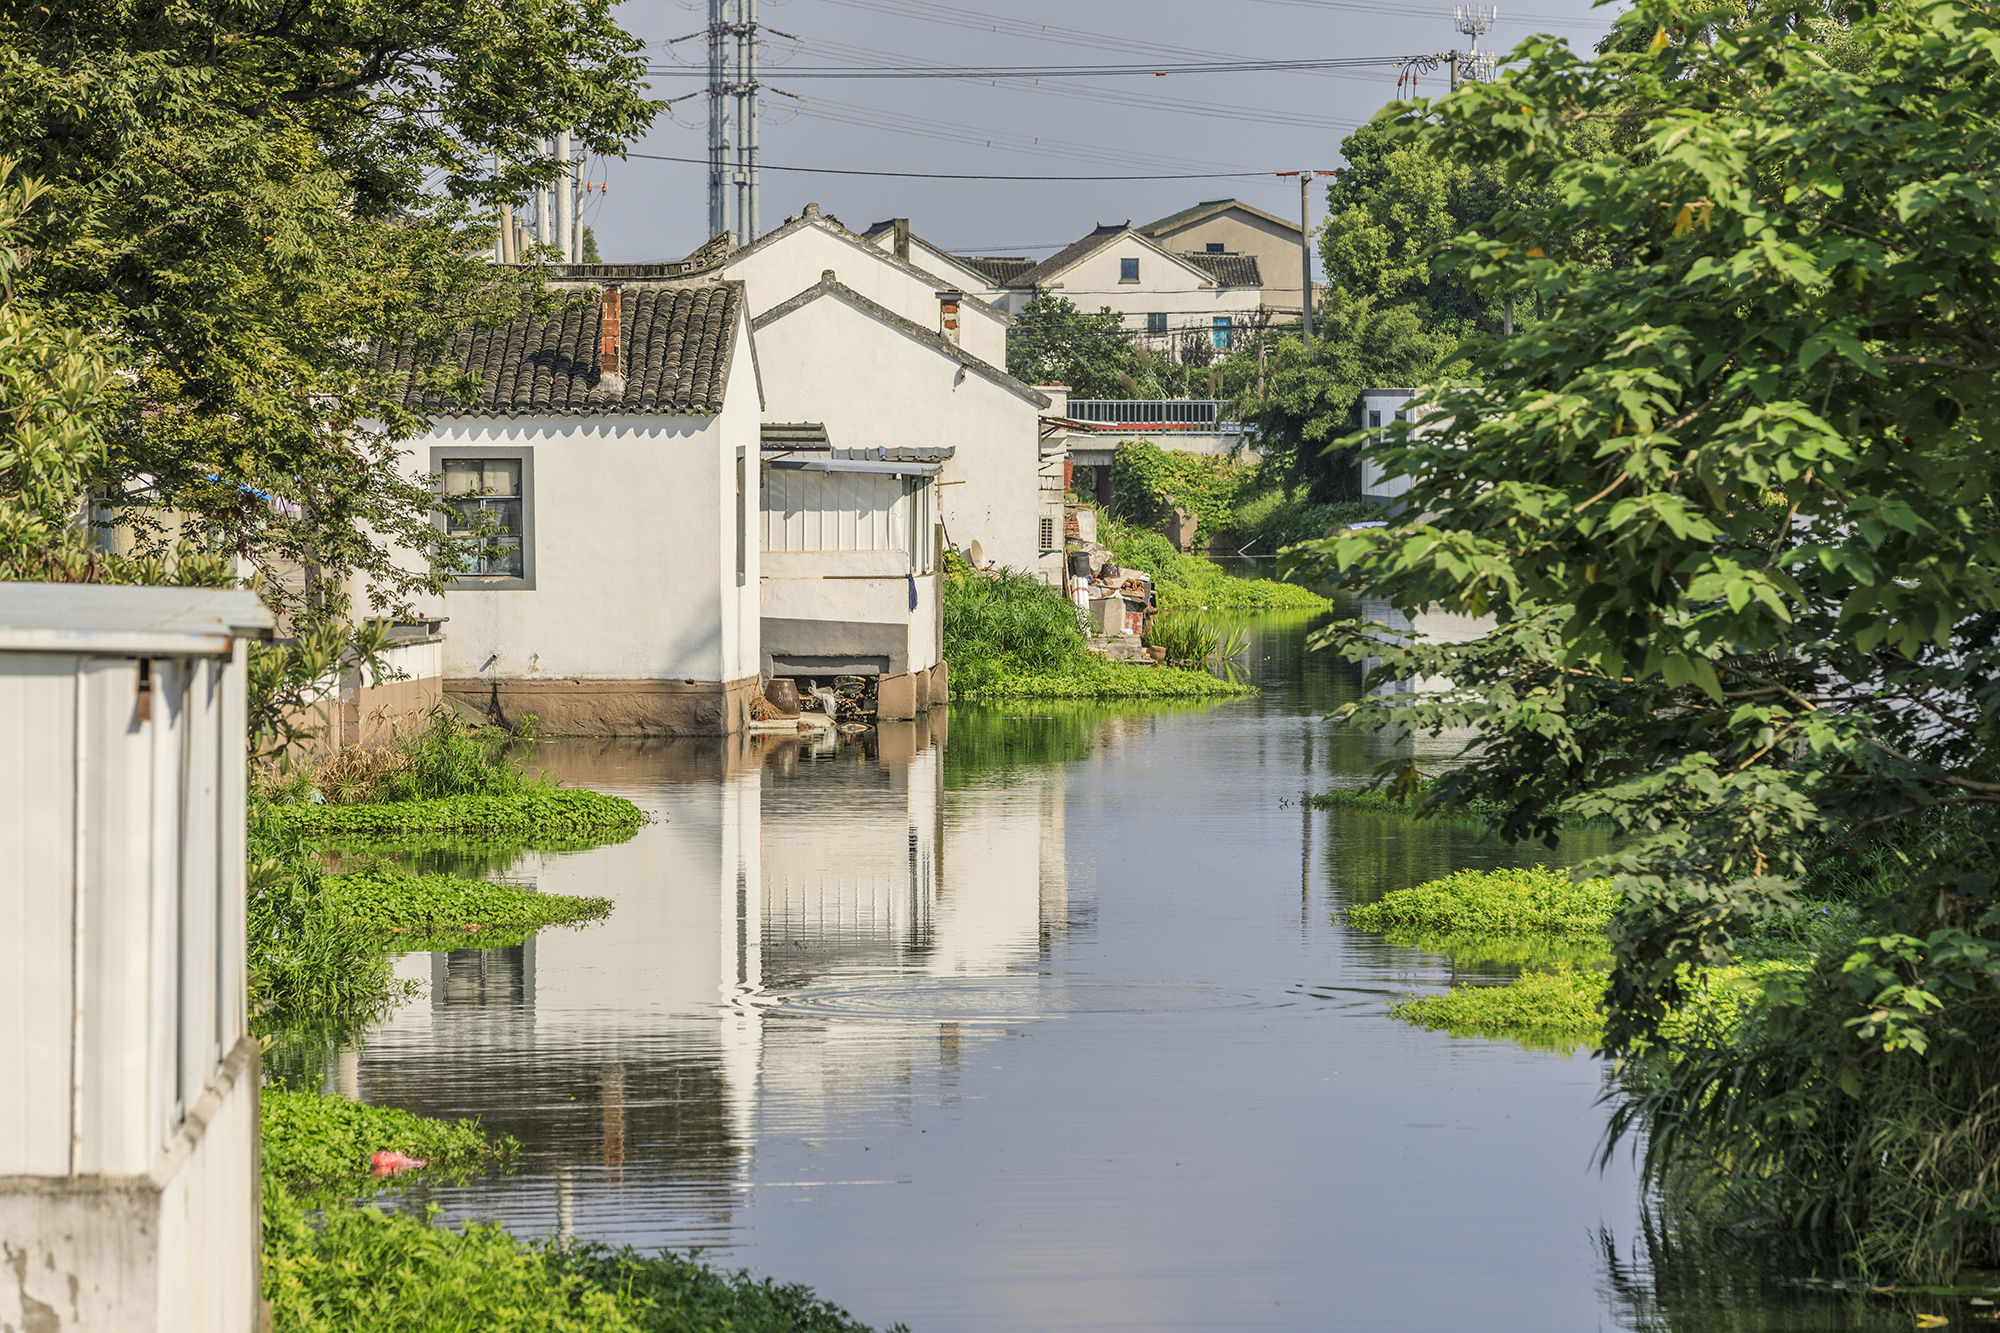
(310, 1140)
(1189, 581)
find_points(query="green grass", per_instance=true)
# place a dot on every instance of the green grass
(1559, 1005)
(532, 811)
(312, 1140)
(1494, 902)
(1189, 581)
(1267, 521)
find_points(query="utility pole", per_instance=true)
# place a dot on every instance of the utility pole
(718, 117)
(753, 213)
(542, 199)
(1306, 259)
(1305, 251)
(565, 199)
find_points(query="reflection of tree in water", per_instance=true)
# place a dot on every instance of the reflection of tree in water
(1676, 1280)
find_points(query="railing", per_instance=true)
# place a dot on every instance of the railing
(1202, 416)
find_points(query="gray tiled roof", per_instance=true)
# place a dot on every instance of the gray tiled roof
(1066, 256)
(997, 269)
(1227, 270)
(674, 353)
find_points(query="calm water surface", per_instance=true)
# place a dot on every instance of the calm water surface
(1032, 1018)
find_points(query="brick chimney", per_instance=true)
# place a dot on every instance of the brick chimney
(610, 307)
(948, 314)
(902, 234)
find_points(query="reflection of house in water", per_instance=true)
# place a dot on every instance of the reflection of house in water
(613, 1052)
(878, 865)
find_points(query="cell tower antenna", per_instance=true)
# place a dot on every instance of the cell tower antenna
(1475, 21)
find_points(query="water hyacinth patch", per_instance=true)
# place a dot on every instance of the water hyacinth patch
(1513, 901)
(309, 1139)
(528, 812)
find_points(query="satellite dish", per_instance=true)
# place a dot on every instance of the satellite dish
(976, 554)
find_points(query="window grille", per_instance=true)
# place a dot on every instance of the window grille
(1048, 533)
(485, 502)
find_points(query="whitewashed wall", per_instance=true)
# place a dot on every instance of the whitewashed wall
(1185, 294)
(776, 272)
(634, 547)
(872, 384)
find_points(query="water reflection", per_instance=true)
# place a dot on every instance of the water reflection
(1043, 1019)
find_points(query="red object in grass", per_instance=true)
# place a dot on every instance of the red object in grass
(390, 1162)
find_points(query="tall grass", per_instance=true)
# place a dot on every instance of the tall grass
(1008, 621)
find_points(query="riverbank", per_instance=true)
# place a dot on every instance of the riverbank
(1007, 636)
(1186, 581)
(340, 1255)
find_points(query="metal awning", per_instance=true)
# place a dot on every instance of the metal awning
(111, 619)
(857, 465)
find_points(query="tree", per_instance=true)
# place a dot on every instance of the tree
(590, 255)
(1307, 412)
(246, 201)
(1733, 502)
(1052, 342)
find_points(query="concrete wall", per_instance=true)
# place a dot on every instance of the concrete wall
(637, 623)
(1244, 233)
(826, 604)
(872, 384)
(949, 267)
(1384, 404)
(788, 265)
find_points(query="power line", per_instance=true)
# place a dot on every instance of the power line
(1050, 71)
(967, 175)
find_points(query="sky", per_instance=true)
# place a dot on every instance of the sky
(1261, 122)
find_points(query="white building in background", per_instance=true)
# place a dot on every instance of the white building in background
(129, 1197)
(875, 379)
(1232, 227)
(1164, 297)
(1381, 409)
(784, 262)
(608, 468)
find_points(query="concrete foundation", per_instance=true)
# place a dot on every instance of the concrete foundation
(611, 707)
(176, 1249)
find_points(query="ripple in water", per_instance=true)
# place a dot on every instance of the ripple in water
(1002, 999)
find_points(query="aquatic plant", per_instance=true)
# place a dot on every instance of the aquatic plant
(1561, 1002)
(1508, 901)
(1188, 637)
(309, 1139)
(1097, 679)
(559, 812)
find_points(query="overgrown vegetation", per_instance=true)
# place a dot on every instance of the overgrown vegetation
(532, 811)
(1008, 636)
(1188, 581)
(1735, 496)
(332, 1266)
(1248, 501)
(312, 1141)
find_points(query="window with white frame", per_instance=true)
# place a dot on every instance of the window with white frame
(486, 505)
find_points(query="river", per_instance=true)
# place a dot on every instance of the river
(1034, 1017)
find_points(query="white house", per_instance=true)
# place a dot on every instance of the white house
(607, 470)
(1160, 294)
(128, 1075)
(1232, 227)
(789, 259)
(850, 544)
(876, 379)
(976, 277)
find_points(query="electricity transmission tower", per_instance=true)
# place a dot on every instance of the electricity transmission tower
(1475, 21)
(732, 95)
